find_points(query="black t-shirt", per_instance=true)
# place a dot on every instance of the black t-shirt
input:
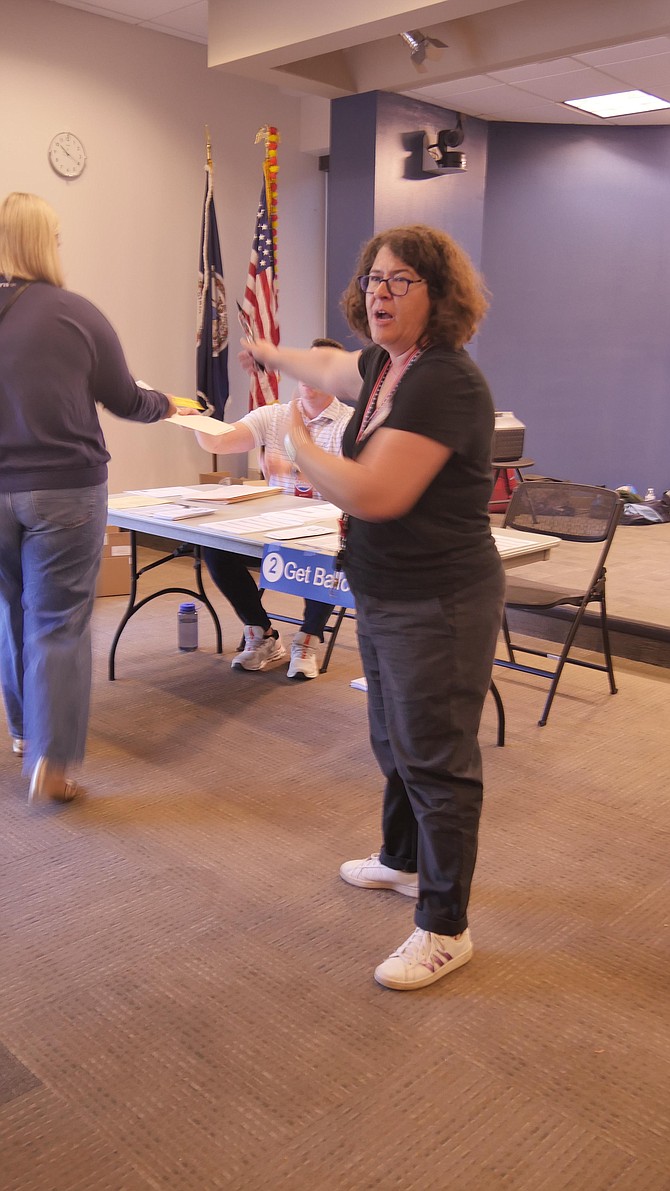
(445, 539)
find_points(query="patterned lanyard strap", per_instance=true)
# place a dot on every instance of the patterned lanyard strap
(370, 410)
(373, 400)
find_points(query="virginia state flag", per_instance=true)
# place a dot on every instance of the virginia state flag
(212, 325)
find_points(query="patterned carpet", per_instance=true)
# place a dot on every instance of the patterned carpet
(187, 992)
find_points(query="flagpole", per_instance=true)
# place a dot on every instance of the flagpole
(212, 320)
(209, 166)
(269, 134)
(260, 295)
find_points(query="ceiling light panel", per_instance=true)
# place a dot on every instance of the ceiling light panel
(621, 103)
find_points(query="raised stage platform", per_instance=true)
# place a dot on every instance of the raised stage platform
(638, 597)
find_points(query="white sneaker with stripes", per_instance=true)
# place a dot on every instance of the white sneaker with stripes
(424, 958)
(372, 874)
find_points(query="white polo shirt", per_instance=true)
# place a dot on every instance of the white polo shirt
(270, 423)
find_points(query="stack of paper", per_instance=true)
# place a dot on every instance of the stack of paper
(200, 422)
(210, 493)
(229, 493)
(177, 512)
(314, 512)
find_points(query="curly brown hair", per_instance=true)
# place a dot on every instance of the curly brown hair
(458, 293)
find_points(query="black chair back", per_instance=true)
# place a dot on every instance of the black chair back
(572, 512)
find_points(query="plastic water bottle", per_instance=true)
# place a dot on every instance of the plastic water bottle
(187, 628)
(649, 495)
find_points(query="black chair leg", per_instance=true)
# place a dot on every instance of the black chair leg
(606, 645)
(508, 640)
(341, 612)
(501, 713)
(561, 663)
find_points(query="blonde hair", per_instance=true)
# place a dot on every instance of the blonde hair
(29, 240)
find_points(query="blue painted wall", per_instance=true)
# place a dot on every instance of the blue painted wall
(376, 181)
(351, 199)
(571, 227)
(577, 254)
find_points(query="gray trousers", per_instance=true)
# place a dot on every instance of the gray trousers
(428, 666)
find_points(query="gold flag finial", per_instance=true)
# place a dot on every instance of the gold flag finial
(208, 147)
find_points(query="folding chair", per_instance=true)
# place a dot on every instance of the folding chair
(573, 513)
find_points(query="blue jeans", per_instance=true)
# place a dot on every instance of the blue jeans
(428, 665)
(50, 549)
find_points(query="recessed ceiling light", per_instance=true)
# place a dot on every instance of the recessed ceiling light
(622, 103)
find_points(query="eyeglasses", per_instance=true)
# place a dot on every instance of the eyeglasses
(398, 287)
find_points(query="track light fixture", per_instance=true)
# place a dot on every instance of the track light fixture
(422, 47)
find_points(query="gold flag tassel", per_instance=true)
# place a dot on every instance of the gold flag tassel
(269, 134)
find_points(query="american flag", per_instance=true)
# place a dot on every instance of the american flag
(260, 303)
(212, 324)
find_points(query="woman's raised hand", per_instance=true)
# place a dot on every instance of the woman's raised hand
(298, 428)
(253, 354)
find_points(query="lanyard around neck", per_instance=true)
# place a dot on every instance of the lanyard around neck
(374, 416)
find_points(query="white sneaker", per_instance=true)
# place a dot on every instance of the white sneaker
(304, 662)
(258, 650)
(372, 874)
(423, 959)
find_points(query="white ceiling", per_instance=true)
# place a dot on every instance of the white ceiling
(504, 61)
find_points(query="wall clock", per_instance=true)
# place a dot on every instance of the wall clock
(67, 155)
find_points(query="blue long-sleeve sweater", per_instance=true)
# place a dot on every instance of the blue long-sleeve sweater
(59, 358)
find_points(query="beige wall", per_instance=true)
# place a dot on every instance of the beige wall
(130, 224)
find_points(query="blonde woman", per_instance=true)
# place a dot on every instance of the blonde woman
(59, 358)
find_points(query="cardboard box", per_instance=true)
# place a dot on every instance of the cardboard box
(213, 477)
(114, 574)
(116, 542)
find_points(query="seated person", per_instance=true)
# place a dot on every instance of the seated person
(265, 427)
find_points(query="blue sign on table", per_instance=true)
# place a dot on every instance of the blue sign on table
(307, 574)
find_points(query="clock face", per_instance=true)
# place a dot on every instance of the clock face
(67, 155)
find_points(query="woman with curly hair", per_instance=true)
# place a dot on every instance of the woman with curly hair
(414, 483)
